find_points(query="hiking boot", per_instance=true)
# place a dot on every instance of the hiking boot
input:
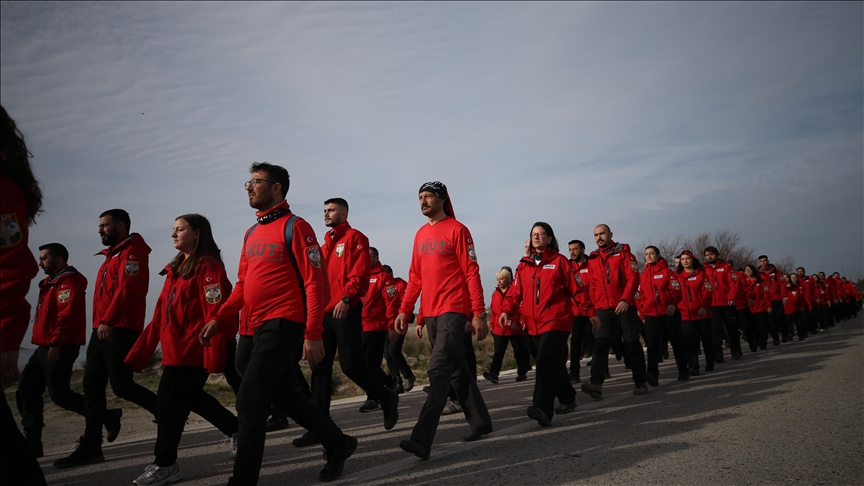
(336, 458)
(565, 408)
(410, 384)
(305, 440)
(540, 416)
(490, 377)
(369, 406)
(640, 389)
(112, 423)
(451, 407)
(476, 434)
(593, 389)
(652, 379)
(34, 443)
(157, 476)
(521, 377)
(415, 448)
(86, 452)
(574, 377)
(391, 411)
(277, 421)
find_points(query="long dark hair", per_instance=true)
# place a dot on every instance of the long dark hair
(752, 270)
(205, 245)
(15, 165)
(697, 265)
(553, 244)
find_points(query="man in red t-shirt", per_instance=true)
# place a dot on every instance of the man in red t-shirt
(444, 267)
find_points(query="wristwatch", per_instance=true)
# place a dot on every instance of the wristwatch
(346, 300)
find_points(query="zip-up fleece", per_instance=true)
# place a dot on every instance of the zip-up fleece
(278, 282)
(720, 276)
(346, 258)
(614, 276)
(184, 306)
(658, 289)
(61, 314)
(741, 287)
(695, 294)
(381, 304)
(120, 294)
(542, 292)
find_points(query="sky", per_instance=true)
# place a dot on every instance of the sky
(659, 119)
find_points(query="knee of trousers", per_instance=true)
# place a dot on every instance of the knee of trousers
(601, 343)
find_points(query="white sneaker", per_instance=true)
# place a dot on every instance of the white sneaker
(158, 476)
(451, 407)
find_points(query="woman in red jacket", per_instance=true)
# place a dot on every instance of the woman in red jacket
(195, 287)
(794, 306)
(511, 333)
(695, 308)
(542, 293)
(657, 300)
(742, 310)
(759, 300)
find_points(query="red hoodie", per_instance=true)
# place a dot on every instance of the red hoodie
(613, 276)
(495, 313)
(658, 289)
(17, 266)
(120, 294)
(184, 306)
(277, 282)
(773, 278)
(720, 276)
(695, 294)
(382, 301)
(542, 292)
(444, 266)
(758, 291)
(61, 314)
(346, 258)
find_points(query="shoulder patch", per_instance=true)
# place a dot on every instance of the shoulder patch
(708, 286)
(734, 276)
(391, 291)
(634, 266)
(314, 254)
(675, 284)
(471, 253)
(213, 293)
(64, 295)
(340, 249)
(10, 230)
(131, 267)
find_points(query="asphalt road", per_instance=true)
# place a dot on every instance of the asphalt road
(793, 414)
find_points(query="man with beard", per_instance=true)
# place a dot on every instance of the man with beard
(775, 279)
(581, 337)
(119, 302)
(719, 273)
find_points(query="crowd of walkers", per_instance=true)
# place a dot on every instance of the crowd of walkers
(294, 300)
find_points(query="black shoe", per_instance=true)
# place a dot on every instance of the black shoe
(608, 375)
(540, 416)
(276, 422)
(719, 359)
(565, 408)
(593, 389)
(35, 446)
(426, 388)
(776, 342)
(410, 385)
(521, 377)
(490, 377)
(476, 434)
(709, 367)
(651, 378)
(785, 338)
(574, 377)
(683, 375)
(415, 448)
(112, 423)
(391, 411)
(336, 459)
(305, 440)
(736, 357)
(400, 389)
(763, 347)
(694, 371)
(369, 406)
(86, 452)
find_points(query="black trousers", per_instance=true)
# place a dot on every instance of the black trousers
(346, 336)
(232, 376)
(629, 326)
(778, 320)
(520, 353)
(761, 326)
(797, 320)
(105, 364)
(17, 464)
(396, 363)
(723, 322)
(551, 378)
(38, 374)
(699, 330)
(580, 332)
(181, 389)
(745, 322)
(261, 360)
(447, 366)
(374, 343)
(655, 330)
(826, 320)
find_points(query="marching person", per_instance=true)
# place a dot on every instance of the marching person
(194, 289)
(444, 267)
(581, 337)
(542, 294)
(396, 363)
(695, 307)
(284, 289)
(509, 333)
(719, 273)
(743, 316)
(794, 305)
(119, 304)
(774, 279)
(759, 300)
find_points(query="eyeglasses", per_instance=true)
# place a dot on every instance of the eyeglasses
(254, 182)
(538, 235)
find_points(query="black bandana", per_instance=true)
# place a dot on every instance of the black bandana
(273, 215)
(440, 190)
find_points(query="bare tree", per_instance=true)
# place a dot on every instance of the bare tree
(669, 248)
(786, 264)
(728, 243)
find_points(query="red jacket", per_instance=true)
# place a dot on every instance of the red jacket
(184, 306)
(741, 300)
(795, 300)
(346, 258)
(720, 276)
(821, 293)
(277, 282)
(444, 267)
(17, 266)
(61, 314)
(542, 292)
(759, 292)
(836, 289)
(582, 300)
(806, 286)
(120, 294)
(495, 313)
(773, 278)
(695, 294)
(382, 301)
(658, 289)
(613, 276)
